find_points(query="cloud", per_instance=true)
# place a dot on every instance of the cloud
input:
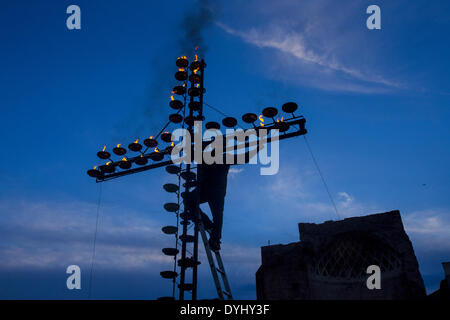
(234, 171)
(315, 44)
(303, 191)
(293, 43)
(429, 228)
(49, 236)
(52, 235)
(346, 199)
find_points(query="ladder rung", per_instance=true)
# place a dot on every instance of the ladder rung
(220, 271)
(186, 286)
(226, 293)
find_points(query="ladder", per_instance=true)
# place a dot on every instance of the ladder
(214, 270)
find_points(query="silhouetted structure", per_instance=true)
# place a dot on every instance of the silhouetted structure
(331, 260)
(443, 293)
(203, 183)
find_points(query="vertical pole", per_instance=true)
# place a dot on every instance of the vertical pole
(177, 236)
(185, 222)
(198, 214)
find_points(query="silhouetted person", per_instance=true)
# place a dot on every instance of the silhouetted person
(212, 183)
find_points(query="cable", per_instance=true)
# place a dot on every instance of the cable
(95, 241)
(322, 177)
(217, 110)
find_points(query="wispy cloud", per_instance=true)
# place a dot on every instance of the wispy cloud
(293, 43)
(304, 192)
(49, 235)
(429, 228)
(234, 171)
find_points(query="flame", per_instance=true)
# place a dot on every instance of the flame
(108, 163)
(182, 57)
(156, 149)
(196, 56)
(151, 137)
(171, 97)
(262, 120)
(195, 71)
(124, 159)
(197, 85)
(137, 140)
(95, 167)
(279, 120)
(181, 69)
(172, 144)
(104, 148)
(118, 146)
(184, 84)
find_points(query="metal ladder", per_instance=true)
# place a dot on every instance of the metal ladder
(214, 270)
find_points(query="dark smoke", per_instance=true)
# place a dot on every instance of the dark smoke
(199, 18)
(152, 112)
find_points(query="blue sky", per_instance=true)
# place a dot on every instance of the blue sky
(376, 103)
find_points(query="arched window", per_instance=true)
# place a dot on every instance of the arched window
(348, 255)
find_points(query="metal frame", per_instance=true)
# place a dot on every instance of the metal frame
(294, 122)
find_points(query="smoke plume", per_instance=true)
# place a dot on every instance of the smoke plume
(199, 18)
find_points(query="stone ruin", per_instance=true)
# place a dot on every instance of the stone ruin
(331, 260)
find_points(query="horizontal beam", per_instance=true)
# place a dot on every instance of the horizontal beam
(135, 170)
(282, 136)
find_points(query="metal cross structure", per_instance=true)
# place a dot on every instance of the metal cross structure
(189, 109)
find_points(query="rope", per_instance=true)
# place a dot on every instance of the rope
(322, 177)
(95, 241)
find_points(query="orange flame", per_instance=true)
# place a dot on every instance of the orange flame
(197, 85)
(279, 120)
(118, 146)
(104, 148)
(151, 137)
(181, 69)
(137, 140)
(95, 167)
(172, 144)
(108, 163)
(124, 159)
(262, 120)
(196, 57)
(156, 149)
(172, 98)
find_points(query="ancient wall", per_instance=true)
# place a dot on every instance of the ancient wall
(331, 260)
